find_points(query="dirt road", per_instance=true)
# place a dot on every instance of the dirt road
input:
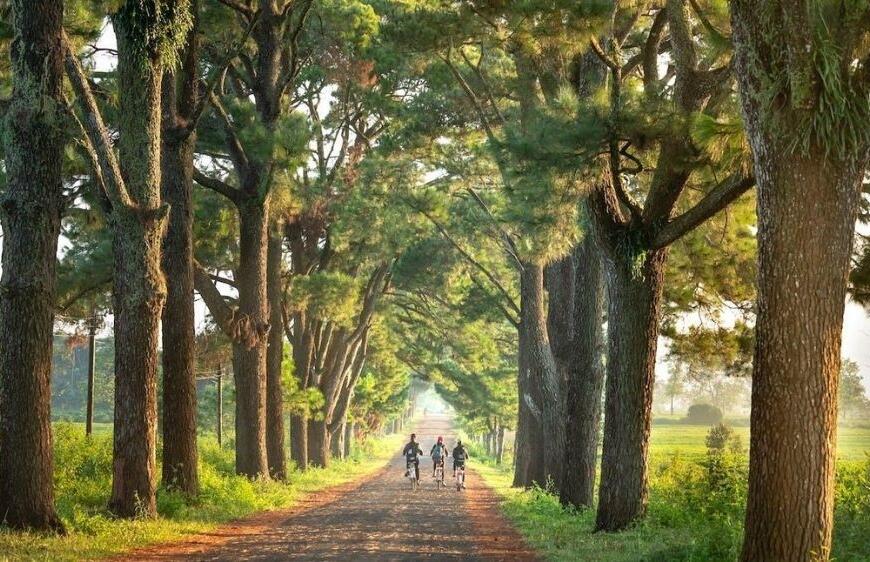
(378, 519)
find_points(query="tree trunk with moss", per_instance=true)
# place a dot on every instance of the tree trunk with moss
(274, 365)
(31, 208)
(809, 186)
(139, 286)
(180, 98)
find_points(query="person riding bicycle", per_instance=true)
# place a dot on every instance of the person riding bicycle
(438, 454)
(412, 452)
(460, 454)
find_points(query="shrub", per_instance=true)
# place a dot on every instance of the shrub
(703, 414)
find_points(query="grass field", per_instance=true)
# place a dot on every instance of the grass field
(853, 443)
(83, 482)
(694, 514)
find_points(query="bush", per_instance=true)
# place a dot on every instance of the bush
(703, 414)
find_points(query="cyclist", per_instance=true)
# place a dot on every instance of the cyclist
(438, 454)
(460, 454)
(411, 452)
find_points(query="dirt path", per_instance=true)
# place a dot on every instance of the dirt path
(376, 519)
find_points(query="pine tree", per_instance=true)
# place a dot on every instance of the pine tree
(31, 205)
(804, 79)
(149, 36)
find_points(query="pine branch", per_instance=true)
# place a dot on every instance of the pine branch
(243, 9)
(717, 199)
(237, 150)
(472, 97)
(218, 186)
(215, 77)
(507, 240)
(468, 257)
(97, 133)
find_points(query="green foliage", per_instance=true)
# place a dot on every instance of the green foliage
(154, 29)
(695, 513)
(703, 414)
(720, 437)
(297, 400)
(331, 295)
(851, 397)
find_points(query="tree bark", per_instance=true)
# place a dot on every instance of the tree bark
(180, 469)
(499, 452)
(337, 441)
(249, 357)
(539, 388)
(139, 285)
(808, 200)
(274, 364)
(31, 209)
(318, 443)
(529, 454)
(804, 252)
(585, 380)
(634, 302)
(349, 431)
(299, 441)
(560, 284)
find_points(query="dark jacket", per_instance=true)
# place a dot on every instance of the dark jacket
(411, 450)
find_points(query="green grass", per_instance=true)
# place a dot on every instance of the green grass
(83, 480)
(853, 443)
(696, 506)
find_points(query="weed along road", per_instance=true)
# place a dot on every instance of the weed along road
(380, 518)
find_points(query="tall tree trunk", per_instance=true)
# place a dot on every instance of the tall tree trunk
(139, 286)
(303, 353)
(349, 430)
(585, 380)
(804, 252)
(499, 452)
(274, 365)
(559, 281)
(634, 302)
(537, 427)
(808, 199)
(249, 359)
(299, 441)
(179, 348)
(31, 208)
(318, 443)
(529, 453)
(337, 441)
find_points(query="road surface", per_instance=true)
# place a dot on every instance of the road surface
(377, 519)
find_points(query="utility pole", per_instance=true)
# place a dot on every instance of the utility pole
(92, 356)
(220, 406)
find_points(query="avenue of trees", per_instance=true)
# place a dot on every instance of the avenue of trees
(512, 201)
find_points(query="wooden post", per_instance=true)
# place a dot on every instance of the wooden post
(220, 406)
(92, 356)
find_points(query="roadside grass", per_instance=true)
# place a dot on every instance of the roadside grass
(696, 505)
(83, 481)
(853, 442)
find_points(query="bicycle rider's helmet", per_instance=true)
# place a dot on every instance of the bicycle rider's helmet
(440, 439)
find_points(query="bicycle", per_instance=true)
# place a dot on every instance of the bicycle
(411, 473)
(460, 478)
(439, 475)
